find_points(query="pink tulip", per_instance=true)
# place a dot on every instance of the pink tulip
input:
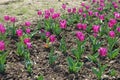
(84, 15)
(47, 34)
(117, 15)
(39, 13)
(42, 31)
(2, 46)
(118, 29)
(19, 32)
(52, 38)
(102, 51)
(112, 22)
(27, 23)
(96, 14)
(101, 1)
(13, 19)
(2, 29)
(93, 1)
(87, 7)
(51, 10)
(64, 6)
(95, 34)
(74, 10)
(29, 45)
(102, 17)
(69, 10)
(28, 30)
(102, 4)
(115, 5)
(6, 18)
(80, 36)
(100, 8)
(63, 24)
(83, 4)
(90, 13)
(47, 14)
(26, 40)
(112, 34)
(79, 26)
(118, 1)
(80, 11)
(84, 26)
(96, 28)
(55, 15)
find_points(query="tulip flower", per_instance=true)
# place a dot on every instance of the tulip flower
(96, 28)
(51, 10)
(111, 23)
(102, 17)
(63, 24)
(19, 32)
(27, 23)
(90, 13)
(69, 10)
(93, 1)
(64, 6)
(55, 15)
(47, 14)
(80, 11)
(117, 15)
(100, 8)
(95, 34)
(26, 40)
(2, 29)
(96, 14)
(2, 46)
(79, 26)
(6, 18)
(52, 38)
(28, 45)
(102, 4)
(80, 36)
(13, 19)
(83, 4)
(28, 30)
(39, 12)
(47, 34)
(118, 29)
(115, 5)
(102, 51)
(74, 10)
(82, 26)
(112, 34)
(84, 15)
(87, 7)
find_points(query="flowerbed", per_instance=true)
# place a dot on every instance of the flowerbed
(81, 43)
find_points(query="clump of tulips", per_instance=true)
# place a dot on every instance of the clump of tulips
(3, 55)
(11, 26)
(23, 48)
(77, 52)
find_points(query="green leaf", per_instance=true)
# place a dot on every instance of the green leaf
(115, 53)
(95, 71)
(52, 57)
(40, 77)
(70, 62)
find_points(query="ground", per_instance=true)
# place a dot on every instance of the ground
(27, 9)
